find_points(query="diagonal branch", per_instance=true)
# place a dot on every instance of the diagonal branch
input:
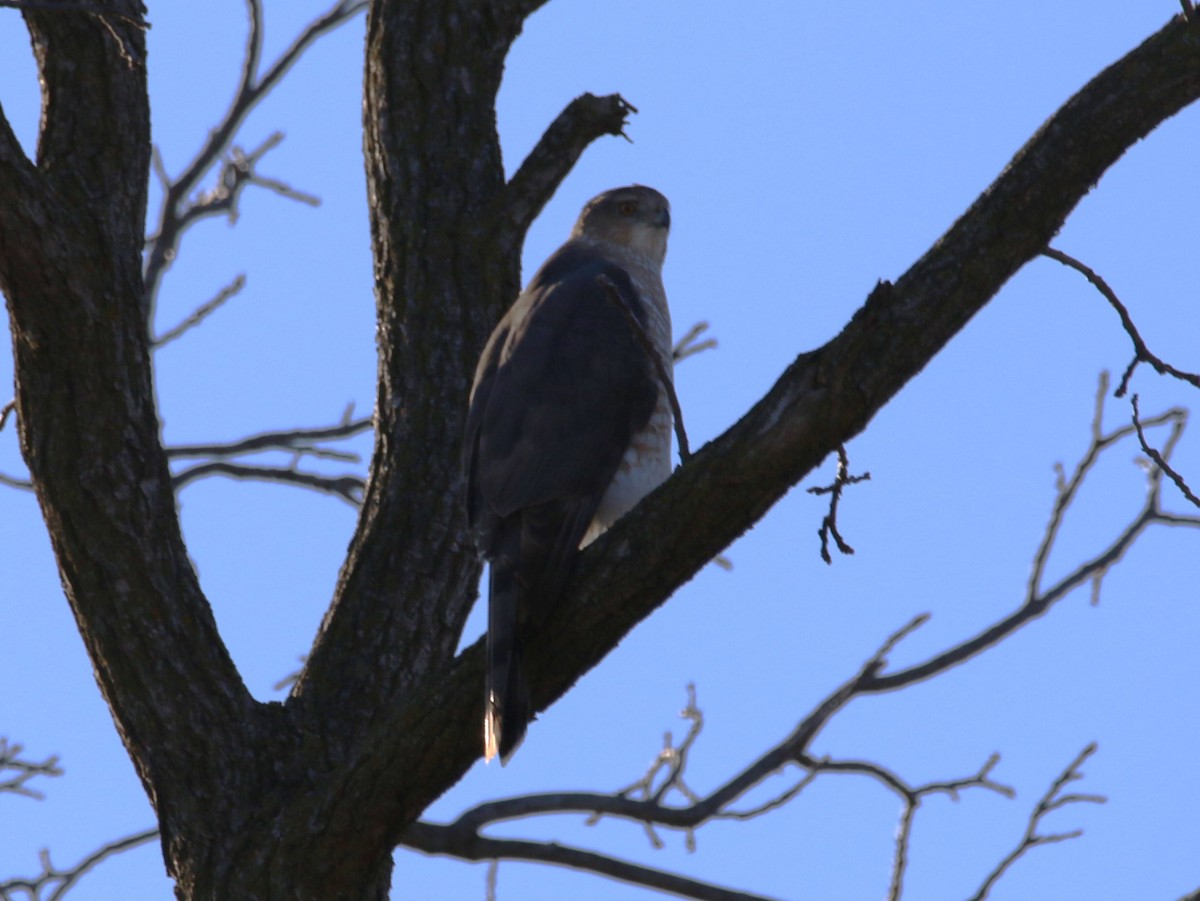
(585, 119)
(651, 808)
(1160, 458)
(1039, 600)
(201, 313)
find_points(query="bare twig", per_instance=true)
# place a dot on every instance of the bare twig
(299, 443)
(651, 807)
(291, 678)
(829, 524)
(911, 796)
(1038, 599)
(1158, 458)
(660, 366)
(348, 488)
(1141, 352)
(646, 800)
(297, 440)
(11, 760)
(201, 312)
(688, 346)
(670, 763)
(13, 482)
(1052, 800)
(66, 879)
(6, 411)
(177, 212)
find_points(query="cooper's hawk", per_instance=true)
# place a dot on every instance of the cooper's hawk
(569, 425)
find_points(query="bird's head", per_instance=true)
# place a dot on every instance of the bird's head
(637, 218)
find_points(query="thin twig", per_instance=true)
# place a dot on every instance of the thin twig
(176, 213)
(291, 678)
(829, 525)
(1039, 600)
(67, 878)
(688, 346)
(279, 439)
(1158, 458)
(349, 488)
(911, 796)
(10, 759)
(13, 482)
(1141, 352)
(1052, 800)
(201, 312)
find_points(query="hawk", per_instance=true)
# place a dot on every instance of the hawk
(569, 425)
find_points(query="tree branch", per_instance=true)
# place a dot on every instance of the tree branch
(432, 839)
(348, 488)
(829, 525)
(585, 119)
(177, 213)
(1140, 350)
(689, 345)
(10, 759)
(298, 442)
(1038, 600)
(67, 878)
(280, 439)
(1160, 459)
(201, 313)
(1052, 800)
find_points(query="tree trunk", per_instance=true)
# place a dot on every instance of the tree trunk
(307, 799)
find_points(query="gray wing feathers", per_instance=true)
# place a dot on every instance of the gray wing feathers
(560, 390)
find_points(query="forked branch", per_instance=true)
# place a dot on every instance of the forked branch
(1052, 800)
(178, 213)
(1141, 353)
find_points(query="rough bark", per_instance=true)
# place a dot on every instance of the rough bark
(306, 799)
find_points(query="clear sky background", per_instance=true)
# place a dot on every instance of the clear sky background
(808, 149)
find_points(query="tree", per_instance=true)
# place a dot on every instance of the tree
(384, 718)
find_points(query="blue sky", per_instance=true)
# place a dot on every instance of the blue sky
(808, 150)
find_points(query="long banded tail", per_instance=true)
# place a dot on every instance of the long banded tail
(506, 706)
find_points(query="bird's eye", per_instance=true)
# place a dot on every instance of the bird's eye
(627, 207)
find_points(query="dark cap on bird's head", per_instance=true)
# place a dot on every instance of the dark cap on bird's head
(635, 217)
